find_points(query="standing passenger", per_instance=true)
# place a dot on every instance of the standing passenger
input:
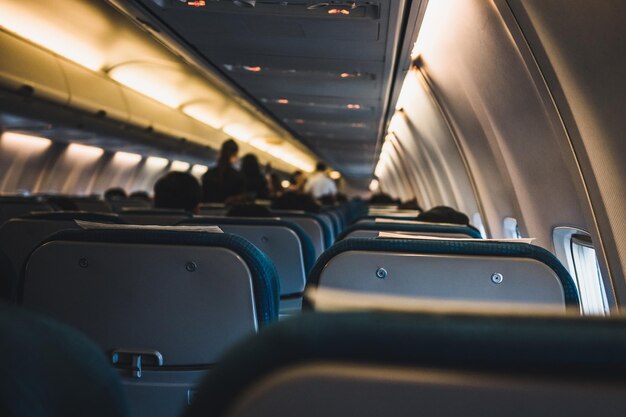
(223, 181)
(254, 181)
(318, 184)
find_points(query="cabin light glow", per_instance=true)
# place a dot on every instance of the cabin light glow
(26, 20)
(155, 162)
(238, 131)
(282, 101)
(252, 68)
(148, 83)
(335, 175)
(374, 185)
(126, 158)
(260, 144)
(436, 13)
(285, 183)
(204, 114)
(84, 151)
(180, 166)
(199, 170)
(20, 141)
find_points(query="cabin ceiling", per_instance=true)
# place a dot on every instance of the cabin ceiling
(324, 76)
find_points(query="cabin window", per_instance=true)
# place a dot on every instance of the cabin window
(587, 275)
(510, 228)
(575, 250)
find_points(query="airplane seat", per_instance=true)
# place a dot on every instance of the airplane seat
(159, 217)
(371, 229)
(285, 243)
(370, 364)
(313, 224)
(164, 304)
(11, 207)
(92, 204)
(118, 205)
(212, 209)
(21, 235)
(517, 274)
(49, 369)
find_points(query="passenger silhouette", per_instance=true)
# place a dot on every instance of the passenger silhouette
(177, 190)
(115, 193)
(381, 198)
(297, 180)
(443, 214)
(292, 200)
(223, 180)
(255, 183)
(318, 184)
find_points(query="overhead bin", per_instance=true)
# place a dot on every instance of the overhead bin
(94, 93)
(30, 69)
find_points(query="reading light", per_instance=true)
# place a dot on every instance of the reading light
(345, 75)
(282, 101)
(252, 69)
(196, 3)
(126, 158)
(156, 162)
(245, 3)
(353, 106)
(84, 151)
(285, 183)
(199, 170)
(339, 11)
(335, 175)
(374, 185)
(180, 166)
(20, 141)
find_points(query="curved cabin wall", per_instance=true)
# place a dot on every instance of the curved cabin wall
(534, 94)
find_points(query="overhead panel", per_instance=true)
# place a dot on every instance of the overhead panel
(321, 68)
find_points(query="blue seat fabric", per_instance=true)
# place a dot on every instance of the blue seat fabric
(447, 247)
(265, 282)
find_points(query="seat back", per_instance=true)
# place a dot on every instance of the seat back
(285, 243)
(479, 271)
(11, 207)
(317, 229)
(49, 369)
(172, 301)
(20, 236)
(160, 217)
(373, 364)
(370, 229)
(92, 204)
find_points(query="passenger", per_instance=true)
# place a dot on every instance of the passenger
(177, 190)
(276, 188)
(341, 198)
(140, 196)
(223, 180)
(410, 205)
(381, 198)
(255, 183)
(318, 184)
(327, 200)
(443, 214)
(292, 200)
(249, 210)
(116, 193)
(297, 181)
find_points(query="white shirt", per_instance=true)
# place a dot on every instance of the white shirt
(320, 185)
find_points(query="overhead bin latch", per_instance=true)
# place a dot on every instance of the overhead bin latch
(135, 358)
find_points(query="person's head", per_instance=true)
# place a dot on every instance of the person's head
(381, 198)
(410, 205)
(140, 196)
(228, 153)
(443, 214)
(293, 200)
(116, 193)
(177, 190)
(321, 167)
(250, 166)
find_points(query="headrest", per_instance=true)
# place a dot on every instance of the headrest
(548, 347)
(50, 369)
(412, 227)
(452, 247)
(264, 275)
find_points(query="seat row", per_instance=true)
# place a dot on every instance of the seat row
(166, 303)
